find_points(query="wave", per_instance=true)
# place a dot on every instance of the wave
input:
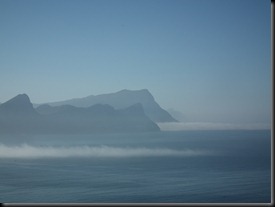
(29, 151)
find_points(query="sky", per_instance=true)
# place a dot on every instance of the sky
(208, 59)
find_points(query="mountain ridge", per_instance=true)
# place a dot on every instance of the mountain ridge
(122, 99)
(17, 115)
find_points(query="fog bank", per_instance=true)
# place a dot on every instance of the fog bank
(29, 151)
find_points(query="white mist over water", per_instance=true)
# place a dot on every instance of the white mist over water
(179, 126)
(29, 151)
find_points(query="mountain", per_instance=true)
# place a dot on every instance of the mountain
(99, 118)
(19, 108)
(19, 104)
(123, 99)
(18, 116)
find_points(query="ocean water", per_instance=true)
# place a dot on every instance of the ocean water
(162, 167)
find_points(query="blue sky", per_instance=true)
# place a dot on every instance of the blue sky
(209, 59)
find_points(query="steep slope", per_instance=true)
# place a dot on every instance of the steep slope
(135, 116)
(123, 99)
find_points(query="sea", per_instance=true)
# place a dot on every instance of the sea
(220, 166)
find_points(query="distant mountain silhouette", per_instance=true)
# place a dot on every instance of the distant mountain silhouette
(123, 99)
(19, 104)
(18, 116)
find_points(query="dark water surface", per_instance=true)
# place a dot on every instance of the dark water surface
(162, 167)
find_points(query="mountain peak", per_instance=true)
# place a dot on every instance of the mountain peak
(22, 96)
(21, 102)
(140, 94)
(19, 99)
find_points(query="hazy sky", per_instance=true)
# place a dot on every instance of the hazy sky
(210, 59)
